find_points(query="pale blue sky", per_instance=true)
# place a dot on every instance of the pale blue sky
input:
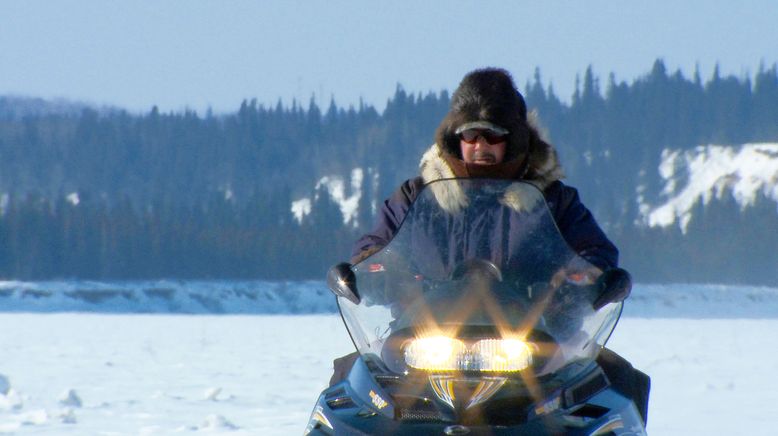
(194, 53)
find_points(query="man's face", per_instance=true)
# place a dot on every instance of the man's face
(481, 152)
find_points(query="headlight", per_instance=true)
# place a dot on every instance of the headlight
(441, 353)
(502, 354)
(435, 353)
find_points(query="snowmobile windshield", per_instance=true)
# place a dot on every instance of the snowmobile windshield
(478, 279)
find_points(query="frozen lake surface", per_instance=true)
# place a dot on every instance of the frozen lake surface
(129, 374)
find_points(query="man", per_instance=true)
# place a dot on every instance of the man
(487, 134)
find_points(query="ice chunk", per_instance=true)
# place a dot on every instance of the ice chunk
(67, 416)
(70, 398)
(217, 422)
(35, 417)
(5, 385)
(212, 394)
(11, 400)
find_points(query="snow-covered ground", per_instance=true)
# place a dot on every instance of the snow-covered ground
(124, 373)
(163, 374)
(167, 296)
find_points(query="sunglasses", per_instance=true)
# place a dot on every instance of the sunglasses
(471, 136)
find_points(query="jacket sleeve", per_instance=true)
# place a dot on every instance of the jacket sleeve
(389, 218)
(579, 228)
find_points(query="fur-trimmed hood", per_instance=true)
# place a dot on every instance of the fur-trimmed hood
(542, 168)
(486, 95)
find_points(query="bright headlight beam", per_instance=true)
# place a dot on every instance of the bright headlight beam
(434, 353)
(502, 354)
(441, 353)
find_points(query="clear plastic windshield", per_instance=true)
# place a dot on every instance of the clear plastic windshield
(478, 259)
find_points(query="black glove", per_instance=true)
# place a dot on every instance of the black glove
(614, 285)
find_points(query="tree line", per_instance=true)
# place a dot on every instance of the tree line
(113, 195)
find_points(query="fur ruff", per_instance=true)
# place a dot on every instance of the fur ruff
(542, 170)
(433, 167)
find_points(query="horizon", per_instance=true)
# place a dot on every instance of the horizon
(304, 105)
(197, 55)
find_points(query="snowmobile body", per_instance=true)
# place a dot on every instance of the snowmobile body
(477, 318)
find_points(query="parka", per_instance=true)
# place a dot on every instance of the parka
(574, 221)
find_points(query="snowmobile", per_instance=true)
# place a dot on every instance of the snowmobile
(477, 318)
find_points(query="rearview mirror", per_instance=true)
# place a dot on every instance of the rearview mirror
(343, 283)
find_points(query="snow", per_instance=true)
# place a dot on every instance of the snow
(73, 198)
(155, 374)
(70, 399)
(690, 301)
(301, 208)
(335, 186)
(10, 399)
(710, 350)
(167, 296)
(712, 171)
(308, 297)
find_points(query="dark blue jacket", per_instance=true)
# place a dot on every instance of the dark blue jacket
(574, 220)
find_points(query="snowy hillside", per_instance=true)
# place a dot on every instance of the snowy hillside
(346, 195)
(710, 172)
(704, 174)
